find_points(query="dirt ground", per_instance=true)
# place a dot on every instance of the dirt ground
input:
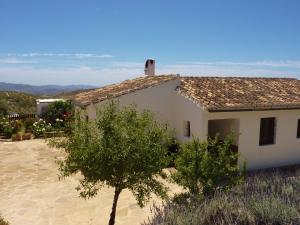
(31, 194)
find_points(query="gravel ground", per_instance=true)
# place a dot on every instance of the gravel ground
(31, 194)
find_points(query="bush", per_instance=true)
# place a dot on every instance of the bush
(173, 150)
(21, 136)
(271, 210)
(26, 136)
(16, 137)
(41, 127)
(7, 127)
(204, 167)
(266, 198)
(60, 110)
(3, 222)
(28, 123)
(4, 107)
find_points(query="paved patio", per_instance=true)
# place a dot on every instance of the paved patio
(31, 194)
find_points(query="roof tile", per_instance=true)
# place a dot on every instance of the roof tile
(115, 90)
(242, 93)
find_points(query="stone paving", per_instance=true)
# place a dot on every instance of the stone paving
(31, 194)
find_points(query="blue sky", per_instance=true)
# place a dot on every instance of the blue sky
(101, 42)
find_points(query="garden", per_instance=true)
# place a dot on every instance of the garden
(127, 150)
(54, 122)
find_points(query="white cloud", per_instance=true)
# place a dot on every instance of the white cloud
(88, 55)
(265, 63)
(72, 55)
(77, 75)
(263, 68)
(118, 71)
(13, 60)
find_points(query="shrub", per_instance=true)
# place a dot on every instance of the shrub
(26, 136)
(271, 210)
(18, 126)
(173, 150)
(4, 107)
(7, 127)
(266, 198)
(62, 110)
(204, 167)
(28, 123)
(3, 222)
(40, 127)
(16, 137)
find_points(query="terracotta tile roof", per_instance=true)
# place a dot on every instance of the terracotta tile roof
(212, 93)
(115, 90)
(238, 93)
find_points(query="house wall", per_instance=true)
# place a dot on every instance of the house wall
(167, 105)
(158, 99)
(172, 108)
(223, 127)
(187, 110)
(285, 151)
(41, 108)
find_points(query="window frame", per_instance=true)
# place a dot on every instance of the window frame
(187, 128)
(261, 139)
(298, 129)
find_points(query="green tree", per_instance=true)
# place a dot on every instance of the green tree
(204, 167)
(122, 149)
(62, 110)
(3, 107)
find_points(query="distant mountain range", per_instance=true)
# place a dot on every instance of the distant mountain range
(43, 89)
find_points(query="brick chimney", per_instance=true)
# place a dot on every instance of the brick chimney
(150, 67)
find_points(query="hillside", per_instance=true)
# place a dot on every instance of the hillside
(18, 102)
(41, 90)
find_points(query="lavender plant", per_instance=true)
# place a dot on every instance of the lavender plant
(266, 198)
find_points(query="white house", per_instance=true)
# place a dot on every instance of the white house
(42, 105)
(264, 113)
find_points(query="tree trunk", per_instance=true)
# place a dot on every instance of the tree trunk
(114, 207)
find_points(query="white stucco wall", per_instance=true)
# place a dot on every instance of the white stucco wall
(286, 149)
(158, 99)
(167, 105)
(187, 110)
(223, 127)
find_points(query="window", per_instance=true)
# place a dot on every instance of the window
(298, 129)
(267, 131)
(187, 128)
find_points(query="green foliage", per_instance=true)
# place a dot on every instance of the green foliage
(7, 127)
(204, 167)
(4, 108)
(28, 123)
(59, 110)
(40, 127)
(122, 149)
(268, 198)
(17, 102)
(173, 150)
(4, 124)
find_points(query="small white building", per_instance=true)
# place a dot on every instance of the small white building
(263, 113)
(42, 105)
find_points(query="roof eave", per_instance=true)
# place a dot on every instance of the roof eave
(258, 108)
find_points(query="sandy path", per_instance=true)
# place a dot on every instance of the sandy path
(31, 194)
